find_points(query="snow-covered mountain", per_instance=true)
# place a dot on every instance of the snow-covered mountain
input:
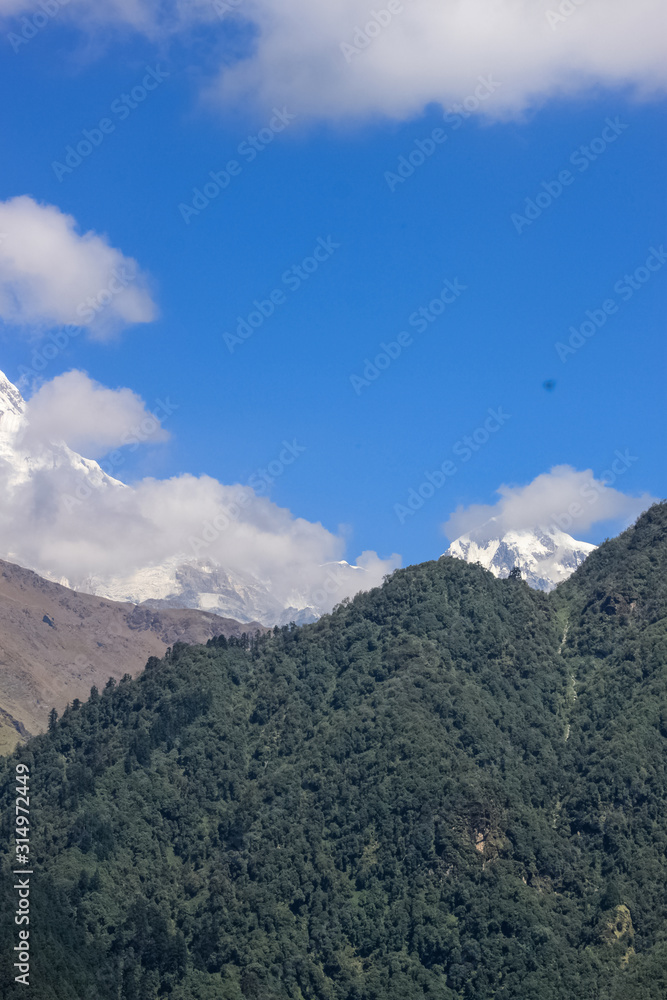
(64, 517)
(20, 463)
(63, 493)
(545, 556)
(201, 584)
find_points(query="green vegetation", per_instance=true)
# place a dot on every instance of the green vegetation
(454, 788)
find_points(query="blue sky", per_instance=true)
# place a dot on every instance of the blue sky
(321, 179)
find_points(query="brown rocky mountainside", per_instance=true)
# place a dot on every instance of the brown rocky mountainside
(55, 644)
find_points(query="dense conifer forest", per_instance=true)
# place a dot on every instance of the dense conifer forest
(453, 787)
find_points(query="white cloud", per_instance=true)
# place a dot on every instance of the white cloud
(435, 50)
(429, 51)
(50, 275)
(563, 497)
(88, 417)
(65, 518)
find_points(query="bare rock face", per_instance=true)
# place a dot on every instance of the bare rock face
(55, 644)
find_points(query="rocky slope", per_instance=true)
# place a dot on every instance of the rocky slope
(55, 644)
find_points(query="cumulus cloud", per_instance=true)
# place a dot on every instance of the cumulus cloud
(435, 51)
(66, 518)
(563, 498)
(352, 58)
(88, 417)
(51, 275)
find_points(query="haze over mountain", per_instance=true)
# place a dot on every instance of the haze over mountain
(194, 543)
(184, 542)
(453, 787)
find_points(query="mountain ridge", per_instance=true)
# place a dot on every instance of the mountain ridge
(451, 787)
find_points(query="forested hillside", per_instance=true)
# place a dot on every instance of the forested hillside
(452, 787)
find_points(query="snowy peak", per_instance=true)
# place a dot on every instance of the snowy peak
(51, 481)
(201, 584)
(11, 400)
(12, 411)
(545, 556)
(23, 459)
